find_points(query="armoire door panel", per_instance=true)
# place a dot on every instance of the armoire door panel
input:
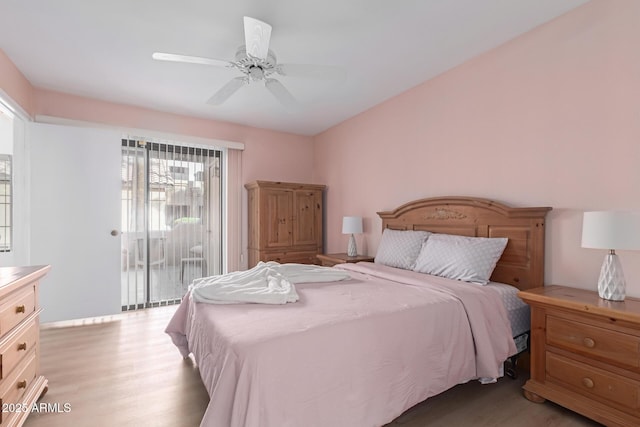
(278, 211)
(308, 213)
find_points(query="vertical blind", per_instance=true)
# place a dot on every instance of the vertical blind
(171, 219)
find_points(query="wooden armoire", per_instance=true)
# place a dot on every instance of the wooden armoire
(285, 222)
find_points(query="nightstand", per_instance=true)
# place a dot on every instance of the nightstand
(329, 260)
(585, 353)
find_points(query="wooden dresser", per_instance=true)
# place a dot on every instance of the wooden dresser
(20, 381)
(285, 222)
(585, 353)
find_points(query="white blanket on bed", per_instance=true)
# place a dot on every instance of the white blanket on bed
(266, 283)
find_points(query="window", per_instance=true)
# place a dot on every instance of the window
(5, 203)
(6, 177)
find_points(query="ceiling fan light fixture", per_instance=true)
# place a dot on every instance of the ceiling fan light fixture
(257, 35)
(256, 73)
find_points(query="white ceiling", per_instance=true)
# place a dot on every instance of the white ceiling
(102, 49)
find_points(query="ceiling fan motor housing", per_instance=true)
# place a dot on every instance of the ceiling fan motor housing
(255, 68)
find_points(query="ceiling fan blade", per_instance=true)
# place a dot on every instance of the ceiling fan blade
(256, 36)
(282, 94)
(160, 56)
(227, 90)
(318, 72)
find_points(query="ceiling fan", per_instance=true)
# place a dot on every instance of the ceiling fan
(258, 63)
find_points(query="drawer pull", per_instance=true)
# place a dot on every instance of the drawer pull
(587, 382)
(22, 384)
(589, 342)
(22, 346)
(20, 309)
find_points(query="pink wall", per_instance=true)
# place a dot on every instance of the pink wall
(15, 85)
(549, 119)
(268, 155)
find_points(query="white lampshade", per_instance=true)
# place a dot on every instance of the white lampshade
(351, 225)
(611, 230)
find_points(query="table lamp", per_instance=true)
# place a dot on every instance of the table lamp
(351, 225)
(611, 230)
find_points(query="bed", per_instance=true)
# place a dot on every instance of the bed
(361, 351)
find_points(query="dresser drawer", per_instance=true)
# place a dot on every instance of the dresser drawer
(593, 382)
(12, 352)
(16, 308)
(592, 341)
(14, 387)
(292, 257)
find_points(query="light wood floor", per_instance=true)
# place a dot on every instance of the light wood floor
(126, 372)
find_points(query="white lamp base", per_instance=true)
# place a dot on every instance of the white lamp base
(611, 285)
(352, 250)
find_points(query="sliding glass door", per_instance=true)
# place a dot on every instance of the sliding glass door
(171, 220)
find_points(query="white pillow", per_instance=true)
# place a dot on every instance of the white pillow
(470, 259)
(400, 248)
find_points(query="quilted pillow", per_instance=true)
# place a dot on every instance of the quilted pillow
(470, 259)
(400, 248)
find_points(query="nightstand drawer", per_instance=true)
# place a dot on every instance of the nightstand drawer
(594, 382)
(604, 344)
(329, 260)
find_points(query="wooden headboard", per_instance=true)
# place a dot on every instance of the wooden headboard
(521, 264)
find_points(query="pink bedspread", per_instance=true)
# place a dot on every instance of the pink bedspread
(352, 353)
